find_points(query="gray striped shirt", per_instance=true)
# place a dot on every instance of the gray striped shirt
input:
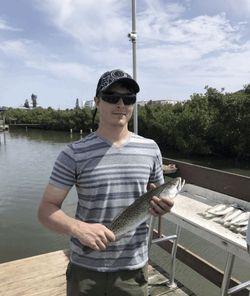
(108, 179)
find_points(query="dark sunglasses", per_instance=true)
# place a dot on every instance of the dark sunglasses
(114, 98)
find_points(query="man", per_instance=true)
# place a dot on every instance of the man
(110, 169)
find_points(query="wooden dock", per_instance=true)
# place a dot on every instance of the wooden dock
(44, 275)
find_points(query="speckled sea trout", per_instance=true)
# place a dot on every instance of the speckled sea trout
(138, 212)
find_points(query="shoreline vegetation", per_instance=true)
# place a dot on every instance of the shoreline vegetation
(210, 124)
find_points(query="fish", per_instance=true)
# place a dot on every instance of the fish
(138, 212)
(242, 217)
(230, 215)
(241, 223)
(212, 210)
(208, 215)
(225, 211)
(242, 230)
(217, 214)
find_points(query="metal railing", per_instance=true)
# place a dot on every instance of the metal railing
(226, 183)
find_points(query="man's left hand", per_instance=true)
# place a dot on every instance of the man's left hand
(160, 206)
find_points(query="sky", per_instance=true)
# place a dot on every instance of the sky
(58, 49)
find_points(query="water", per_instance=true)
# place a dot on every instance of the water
(26, 160)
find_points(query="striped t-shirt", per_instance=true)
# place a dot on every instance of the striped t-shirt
(108, 179)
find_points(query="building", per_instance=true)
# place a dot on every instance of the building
(162, 102)
(3, 126)
(90, 104)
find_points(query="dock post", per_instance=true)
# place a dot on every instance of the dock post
(150, 231)
(227, 274)
(171, 283)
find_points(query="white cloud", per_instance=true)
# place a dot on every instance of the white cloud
(63, 70)
(240, 7)
(183, 42)
(33, 56)
(15, 48)
(93, 23)
(177, 54)
(5, 26)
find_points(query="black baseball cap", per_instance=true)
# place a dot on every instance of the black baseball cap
(109, 78)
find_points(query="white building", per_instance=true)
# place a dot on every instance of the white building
(162, 102)
(90, 104)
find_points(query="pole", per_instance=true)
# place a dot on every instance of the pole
(132, 36)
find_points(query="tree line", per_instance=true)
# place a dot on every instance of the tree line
(213, 123)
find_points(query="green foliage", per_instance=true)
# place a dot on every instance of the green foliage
(209, 124)
(50, 119)
(213, 123)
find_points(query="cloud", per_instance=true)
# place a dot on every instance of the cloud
(163, 32)
(177, 54)
(15, 48)
(181, 55)
(92, 23)
(6, 27)
(240, 7)
(73, 71)
(167, 26)
(182, 41)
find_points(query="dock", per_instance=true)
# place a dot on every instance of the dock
(44, 275)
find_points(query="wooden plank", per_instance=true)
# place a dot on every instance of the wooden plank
(44, 275)
(224, 182)
(157, 283)
(40, 275)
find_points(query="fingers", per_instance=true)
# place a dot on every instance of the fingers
(105, 237)
(96, 236)
(110, 235)
(160, 206)
(99, 245)
(150, 186)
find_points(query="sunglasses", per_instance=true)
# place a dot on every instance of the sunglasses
(114, 98)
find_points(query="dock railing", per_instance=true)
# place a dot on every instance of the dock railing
(222, 187)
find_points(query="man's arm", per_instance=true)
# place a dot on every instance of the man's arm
(50, 214)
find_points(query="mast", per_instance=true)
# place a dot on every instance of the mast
(132, 36)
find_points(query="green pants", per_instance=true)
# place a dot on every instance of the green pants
(81, 281)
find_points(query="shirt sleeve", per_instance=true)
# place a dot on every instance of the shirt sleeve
(157, 172)
(64, 171)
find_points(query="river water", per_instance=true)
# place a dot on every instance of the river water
(26, 160)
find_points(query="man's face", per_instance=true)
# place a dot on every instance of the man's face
(115, 114)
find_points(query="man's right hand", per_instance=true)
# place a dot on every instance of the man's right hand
(96, 236)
